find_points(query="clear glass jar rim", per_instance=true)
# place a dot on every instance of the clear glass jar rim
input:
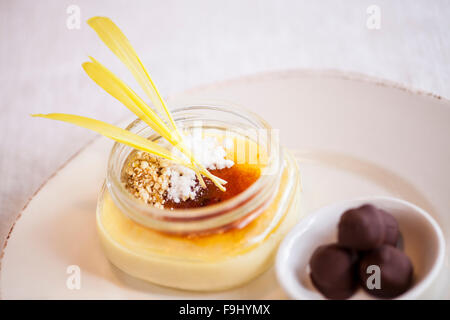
(117, 189)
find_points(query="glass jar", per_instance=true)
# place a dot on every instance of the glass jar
(210, 248)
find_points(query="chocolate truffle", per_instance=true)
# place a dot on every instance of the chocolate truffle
(362, 228)
(392, 233)
(334, 271)
(396, 271)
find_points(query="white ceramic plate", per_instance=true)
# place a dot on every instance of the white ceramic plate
(353, 136)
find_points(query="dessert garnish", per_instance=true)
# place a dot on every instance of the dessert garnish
(165, 184)
(161, 120)
(367, 236)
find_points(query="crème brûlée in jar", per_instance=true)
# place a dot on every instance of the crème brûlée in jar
(158, 223)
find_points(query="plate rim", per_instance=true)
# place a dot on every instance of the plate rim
(276, 74)
(316, 72)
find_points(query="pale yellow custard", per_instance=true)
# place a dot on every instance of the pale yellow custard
(206, 263)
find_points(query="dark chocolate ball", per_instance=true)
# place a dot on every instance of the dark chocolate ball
(334, 271)
(392, 233)
(396, 271)
(362, 228)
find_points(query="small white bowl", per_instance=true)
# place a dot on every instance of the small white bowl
(422, 239)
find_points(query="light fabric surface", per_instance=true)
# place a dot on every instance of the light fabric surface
(185, 44)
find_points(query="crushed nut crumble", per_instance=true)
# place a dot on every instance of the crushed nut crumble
(146, 178)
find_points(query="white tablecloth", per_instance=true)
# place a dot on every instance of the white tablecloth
(184, 44)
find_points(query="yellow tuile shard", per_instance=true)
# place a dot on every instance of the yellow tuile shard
(113, 37)
(115, 133)
(120, 135)
(119, 90)
(118, 43)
